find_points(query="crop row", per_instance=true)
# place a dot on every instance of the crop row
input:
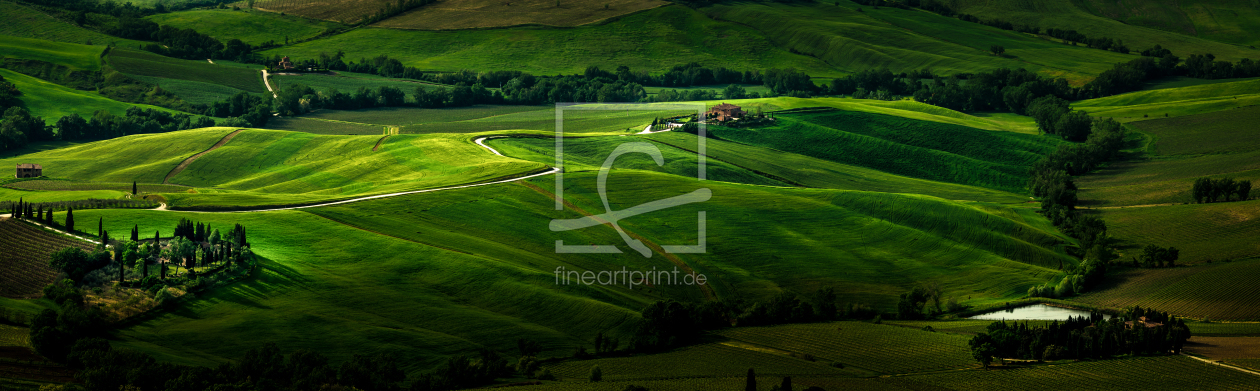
(708, 360)
(14, 336)
(1168, 372)
(24, 252)
(350, 11)
(1217, 292)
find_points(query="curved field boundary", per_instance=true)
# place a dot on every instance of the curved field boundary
(379, 142)
(182, 165)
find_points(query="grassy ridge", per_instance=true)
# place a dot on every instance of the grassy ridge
(653, 40)
(924, 150)
(53, 101)
(904, 40)
(27, 22)
(1175, 102)
(1232, 21)
(148, 64)
(140, 158)
(74, 56)
(1065, 14)
(252, 27)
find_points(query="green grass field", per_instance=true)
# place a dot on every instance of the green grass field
(317, 126)
(347, 82)
(1219, 291)
(343, 11)
(710, 360)
(143, 63)
(1174, 102)
(938, 152)
(1067, 14)
(1208, 231)
(471, 14)
(904, 40)
(53, 101)
(73, 56)
(883, 349)
(402, 116)
(1172, 371)
(25, 22)
(252, 27)
(652, 40)
(1232, 21)
(195, 92)
(1180, 150)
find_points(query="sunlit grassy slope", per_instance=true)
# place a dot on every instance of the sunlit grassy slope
(73, 56)
(52, 101)
(926, 150)
(27, 22)
(1232, 21)
(432, 274)
(904, 40)
(1175, 102)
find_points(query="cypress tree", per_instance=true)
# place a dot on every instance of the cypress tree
(133, 188)
(104, 239)
(751, 384)
(100, 227)
(69, 220)
(135, 233)
(118, 252)
(787, 384)
(50, 218)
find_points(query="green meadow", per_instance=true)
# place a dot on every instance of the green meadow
(26, 22)
(852, 38)
(1231, 21)
(652, 40)
(73, 56)
(136, 62)
(1068, 15)
(251, 27)
(1218, 291)
(53, 101)
(347, 82)
(1174, 102)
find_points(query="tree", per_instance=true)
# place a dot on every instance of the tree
(982, 349)
(787, 384)
(1074, 126)
(100, 228)
(997, 50)
(751, 383)
(596, 374)
(734, 91)
(1244, 190)
(70, 220)
(133, 188)
(1225, 187)
(1200, 190)
(250, 3)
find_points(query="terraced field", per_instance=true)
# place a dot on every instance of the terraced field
(879, 348)
(24, 251)
(1219, 291)
(142, 63)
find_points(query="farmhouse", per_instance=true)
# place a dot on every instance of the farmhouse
(29, 170)
(724, 112)
(285, 63)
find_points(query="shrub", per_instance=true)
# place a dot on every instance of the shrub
(596, 374)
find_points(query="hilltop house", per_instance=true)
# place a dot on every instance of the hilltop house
(285, 64)
(724, 112)
(29, 170)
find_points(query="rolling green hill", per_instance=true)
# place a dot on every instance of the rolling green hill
(73, 56)
(27, 22)
(252, 27)
(1067, 15)
(925, 150)
(142, 63)
(53, 101)
(904, 40)
(1176, 101)
(1232, 21)
(469, 14)
(652, 40)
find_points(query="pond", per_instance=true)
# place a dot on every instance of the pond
(1034, 312)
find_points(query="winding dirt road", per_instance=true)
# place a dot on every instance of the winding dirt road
(182, 165)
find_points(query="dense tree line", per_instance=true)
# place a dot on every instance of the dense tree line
(1154, 257)
(1211, 190)
(1137, 332)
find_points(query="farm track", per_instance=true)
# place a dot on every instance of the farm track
(180, 168)
(378, 143)
(1221, 364)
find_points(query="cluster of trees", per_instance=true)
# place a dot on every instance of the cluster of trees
(1072, 37)
(1051, 177)
(242, 109)
(1206, 66)
(1153, 256)
(35, 212)
(1211, 190)
(1136, 332)
(19, 128)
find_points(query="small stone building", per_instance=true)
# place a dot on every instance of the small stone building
(285, 63)
(724, 112)
(29, 170)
